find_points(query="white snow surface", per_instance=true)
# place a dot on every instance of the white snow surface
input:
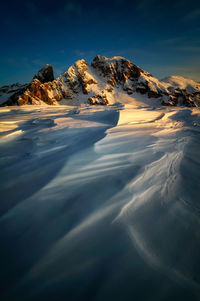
(100, 203)
(181, 82)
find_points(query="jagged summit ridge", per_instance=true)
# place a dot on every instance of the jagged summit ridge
(98, 82)
(45, 74)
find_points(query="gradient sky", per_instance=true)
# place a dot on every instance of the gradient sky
(162, 37)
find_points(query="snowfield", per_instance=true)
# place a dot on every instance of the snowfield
(100, 202)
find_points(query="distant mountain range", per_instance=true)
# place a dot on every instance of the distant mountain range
(98, 83)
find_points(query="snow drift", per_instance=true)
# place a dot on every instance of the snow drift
(100, 203)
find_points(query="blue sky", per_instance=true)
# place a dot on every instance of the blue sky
(162, 37)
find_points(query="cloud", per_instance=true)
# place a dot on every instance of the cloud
(37, 62)
(80, 53)
(178, 4)
(189, 48)
(15, 62)
(171, 41)
(58, 71)
(145, 4)
(189, 42)
(72, 7)
(169, 70)
(193, 73)
(37, 16)
(191, 16)
(31, 7)
(119, 2)
(88, 55)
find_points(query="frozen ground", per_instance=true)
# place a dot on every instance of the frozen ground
(100, 203)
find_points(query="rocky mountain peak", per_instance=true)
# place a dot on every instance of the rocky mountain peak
(78, 77)
(77, 69)
(99, 83)
(117, 69)
(45, 74)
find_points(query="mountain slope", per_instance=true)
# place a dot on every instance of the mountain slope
(99, 82)
(182, 83)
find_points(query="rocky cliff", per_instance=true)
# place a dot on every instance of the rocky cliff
(98, 82)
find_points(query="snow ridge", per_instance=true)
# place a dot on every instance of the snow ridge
(100, 83)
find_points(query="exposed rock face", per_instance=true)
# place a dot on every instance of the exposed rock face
(35, 93)
(98, 100)
(117, 70)
(45, 74)
(78, 78)
(10, 89)
(40, 90)
(50, 93)
(98, 83)
(13, 94)
(182, 97)
(182, 91)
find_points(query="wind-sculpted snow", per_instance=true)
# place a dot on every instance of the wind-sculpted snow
(100, 203)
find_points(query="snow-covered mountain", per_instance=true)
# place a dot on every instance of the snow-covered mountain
(99, 83)
(7, 91)
(100, 202)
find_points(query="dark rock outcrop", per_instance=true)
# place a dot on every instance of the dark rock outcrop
(98, 100)
(45, 74)
(42, 89)
(117, 71)
(13, 95)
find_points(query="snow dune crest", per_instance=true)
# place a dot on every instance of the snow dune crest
(110, 200)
